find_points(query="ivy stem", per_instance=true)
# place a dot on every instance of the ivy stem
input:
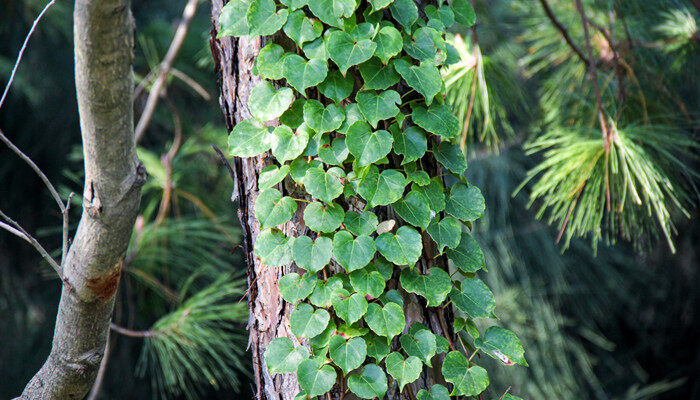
(305, 201)
(407, 93)
(473, 354)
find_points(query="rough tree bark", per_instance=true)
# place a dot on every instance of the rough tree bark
(103, 35)
(269, 313)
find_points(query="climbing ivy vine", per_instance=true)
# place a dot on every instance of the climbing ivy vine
(361, 115)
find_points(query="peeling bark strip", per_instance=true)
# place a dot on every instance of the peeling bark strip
(103, 32)
(269, 314)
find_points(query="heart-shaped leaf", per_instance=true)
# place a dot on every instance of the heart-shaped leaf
(294, 116)
(329, 11)
(294, 4)
(336, 86)
(377, 75)
(464, 13)
(349, 307)
(345, 51)
(465, 203)
(333, 153)
(367, 282)
(474, 298)
(312, 255)
(425, 78)
(502, 344)
(414, 209)
(323, 119)
(271, 209)
(445, 233)
(370, 383)
(298, 168)
(403, 370)
(377, 346)
(322, 185)
(402, 248)
(468, 256)
(433, 193)
(273, 249)
(302, 74)
(272, 175)
(266, 103)
(451, 156)
(363, 223)
(405, 12)
(307, 322)
(421, 178)
(301, 29)
(287, 144)
(467, 381)
(321, 217)
(437, 119)
(248, 139)
(349, 354)
(351, 331)
(387, 321)
(282, 357)
(379, 4)
(268, 62)
(366, 145)
(233, 19)
(411, 143)
(437, 392)
(324, 291)
(435, 286)
(426, 44)
(315, 378)
(389, 43)
(377, 106)
(421, 344)
(381, 189)
(264, 19)
(352, 253)
(352, 115)
(294, 288)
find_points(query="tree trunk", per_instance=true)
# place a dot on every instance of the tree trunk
(269, 313)
(103, 35)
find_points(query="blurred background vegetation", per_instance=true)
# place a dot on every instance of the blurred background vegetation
(593, 259)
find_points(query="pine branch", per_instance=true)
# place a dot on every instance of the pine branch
(564, 32)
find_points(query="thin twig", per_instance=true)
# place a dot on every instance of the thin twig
(225, 162)
(167, 162)
(14, 231)
(191, 83)
(164, 68)
(130, 332)
(443, 325)
(563, 31)
(29, 238)
(21, 51)
(101, 373)
(66, 229)
(505, 393)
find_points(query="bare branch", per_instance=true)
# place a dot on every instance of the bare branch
(130, 332)
(17, 229)
(563, 31)
(191, 83)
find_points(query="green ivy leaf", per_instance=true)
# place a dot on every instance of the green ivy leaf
(264, 19)
(363, 223)
(323, 119)
(294, 4)
(314, 377)
(320, 342)
(402, 248)
(421, 178)
(336, 86)
(468, 256)
(370, 383)
(272, 175)
(426, 44)
(411, 143)
(248, 139)
(273, 249)
(377, 347)
(349, 354)
(360, 31)
(377, 106)
(329, 11)
(349, 307)
(352, 115)
(437, 392)
(425, 78)
(307, 322)
(451, 156)
(435, 286)
(335, 153)
(271, 209)
(474, 298)
(233, 19)
(421, 345)
(351, 331)
(268, 63)
(389, 43)
(463, 12)
(367, 282)
(434, 194)
(381, 189)
(287, 144)
(437, 119)
(294, 288)
(405, 12)
(465, 203)
(467, 381)
(302, 74)
(345, 51)
(317, 49)
(446, 233)
(403, 370)
(502, 344)
(282, 357)
(322, 185)
(324, 292)
(294, 116)
(298, 168)
(379, 4)
(353, 253)
(301, 29)
(366, 145)
(321, 217)
(377, 75)
(414, 209)
(312, 255)
(387, 321)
